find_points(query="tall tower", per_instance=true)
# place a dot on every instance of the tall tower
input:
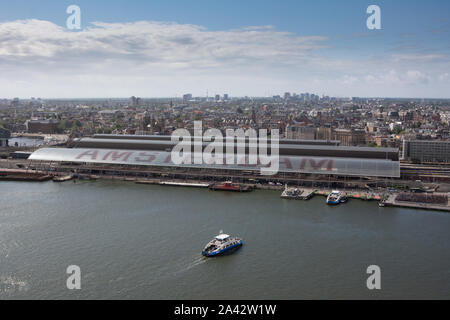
(15, 103)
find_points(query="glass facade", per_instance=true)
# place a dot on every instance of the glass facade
(426, 151)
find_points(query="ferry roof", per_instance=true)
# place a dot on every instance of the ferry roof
(299, 164)
(222, 236)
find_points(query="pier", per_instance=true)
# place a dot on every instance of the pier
(358, 194)
(23, 175)
(391, 201)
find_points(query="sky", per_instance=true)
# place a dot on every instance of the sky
(244, 48)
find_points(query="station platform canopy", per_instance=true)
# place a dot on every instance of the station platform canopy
(289, 149)
(289, 164)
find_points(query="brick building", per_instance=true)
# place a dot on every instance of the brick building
(42, 126)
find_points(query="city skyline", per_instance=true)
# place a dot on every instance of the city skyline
(257, 49)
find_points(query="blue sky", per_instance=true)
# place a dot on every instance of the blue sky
(319, 46)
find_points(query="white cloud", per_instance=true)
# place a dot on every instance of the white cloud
(443, 77)
(415, 57)
(393, 77)
(415, 77)
(39, 58)
(349, 80)
(150, 44)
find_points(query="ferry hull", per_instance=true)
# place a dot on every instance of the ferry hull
(342, 200)
(223, 251)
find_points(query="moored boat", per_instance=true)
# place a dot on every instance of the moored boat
(184, 184)
(230, 186)
(62, 179)
(23, 175)
(336, 197)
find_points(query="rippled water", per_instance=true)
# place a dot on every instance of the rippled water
(144, 242)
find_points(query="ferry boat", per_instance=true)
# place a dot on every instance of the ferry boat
(63, 179)
(336, 197)
(230, 186)
(221, 244)
(184, 184)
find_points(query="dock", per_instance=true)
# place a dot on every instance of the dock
(360, 195)
(391, 201)
(308, 193)
(297, 194)
(147, 181)
(23, 175)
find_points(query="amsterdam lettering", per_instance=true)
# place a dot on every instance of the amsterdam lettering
(164, 158)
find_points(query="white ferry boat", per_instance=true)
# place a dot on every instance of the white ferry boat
(336, 197)
(220, 244)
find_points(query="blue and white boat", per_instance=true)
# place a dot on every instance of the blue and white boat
(336, 197)
(222, 243)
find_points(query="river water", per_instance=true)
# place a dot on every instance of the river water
(25, 142)
(144, 242)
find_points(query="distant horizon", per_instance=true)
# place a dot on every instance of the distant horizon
(212, 97)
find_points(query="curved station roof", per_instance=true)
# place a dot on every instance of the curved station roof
(328, 165)
(298, 149)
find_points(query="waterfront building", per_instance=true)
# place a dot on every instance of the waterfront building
(49, 126)
(426, 151)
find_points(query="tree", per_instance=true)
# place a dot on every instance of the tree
(104, 130)
(62, 126)
(397, 130)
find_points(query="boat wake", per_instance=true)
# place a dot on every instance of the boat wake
(11, 284)
(191, 265)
